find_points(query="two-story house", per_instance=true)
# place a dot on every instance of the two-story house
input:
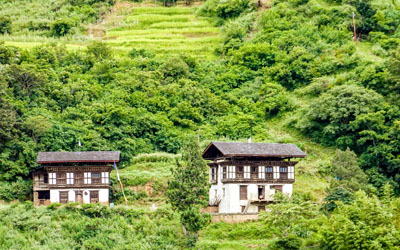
(245, 176)
(82, 177)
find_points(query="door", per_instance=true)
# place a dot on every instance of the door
(78, 196)
(261, 192)
(94, 196)
(243, 192)
(63, 197)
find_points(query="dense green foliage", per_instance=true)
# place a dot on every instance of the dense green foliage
(89, 227)
(49, 18)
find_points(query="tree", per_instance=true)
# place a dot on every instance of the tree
(330, 118)
(188, 190)
(346, 171)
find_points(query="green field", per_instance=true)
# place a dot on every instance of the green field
(173, 30)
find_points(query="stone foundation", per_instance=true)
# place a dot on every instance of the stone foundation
(234, 218)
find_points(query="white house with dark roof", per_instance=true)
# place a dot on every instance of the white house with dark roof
(245, 176)
(82, 177)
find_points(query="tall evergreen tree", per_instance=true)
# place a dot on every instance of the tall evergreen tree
(188, 190)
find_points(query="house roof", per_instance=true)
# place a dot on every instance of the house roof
(230, 149)
(85, 156)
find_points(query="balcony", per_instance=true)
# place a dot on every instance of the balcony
(283, 178)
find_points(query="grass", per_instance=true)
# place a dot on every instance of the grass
(174, 30)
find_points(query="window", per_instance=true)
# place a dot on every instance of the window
(63, 197)
(87, 178)
(61, 178)
(224, 173)
(45, 178)
(105, 177)
(276, 172)
(261, 172)
(247, 172)
(239, 171)
(213, 174)
(70, 178)
(291, 173)
(243, 193)
(223, 192)
(243, 208)
(231, 172)
(254, 174)
(94, 196)
(96, 178)
(52, 178)
(268, 172)
(283, 172)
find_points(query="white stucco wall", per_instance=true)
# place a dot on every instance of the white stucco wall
(103, 195)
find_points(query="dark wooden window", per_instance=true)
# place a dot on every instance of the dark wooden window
(224, 173)
(94, 196)
(45, 178)
(261, 208)
(277, 187)
(63, 197)
(61, 178)
(268, 172)
(79, 178)
(243, 192)
(283, 172)
(254, 172)
(96, 178)
(239, 172)
(213, 174)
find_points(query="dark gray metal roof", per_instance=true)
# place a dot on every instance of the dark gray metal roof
(229, 149)
(85, 156)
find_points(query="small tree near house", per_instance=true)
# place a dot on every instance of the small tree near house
(188, 190)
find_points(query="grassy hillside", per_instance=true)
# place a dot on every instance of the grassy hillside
(140, 78)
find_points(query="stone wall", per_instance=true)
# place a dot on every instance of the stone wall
(234, 218)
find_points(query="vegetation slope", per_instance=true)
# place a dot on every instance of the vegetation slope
(287, 72)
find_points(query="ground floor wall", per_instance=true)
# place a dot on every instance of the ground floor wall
(81, 195)
(231, 202)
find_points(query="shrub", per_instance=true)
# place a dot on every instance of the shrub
(5, 25)
(175, 67)
(61, 27)
(291, 242)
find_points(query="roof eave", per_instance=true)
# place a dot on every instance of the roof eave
(77, 161)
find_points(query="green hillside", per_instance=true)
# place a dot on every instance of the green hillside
(142, 78)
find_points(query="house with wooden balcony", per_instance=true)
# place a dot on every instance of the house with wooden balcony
(82, 177)
(245, 176)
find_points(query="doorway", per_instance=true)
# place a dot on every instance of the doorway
(79, 196)
(261, 192)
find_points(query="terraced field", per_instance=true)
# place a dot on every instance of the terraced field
(173, 30)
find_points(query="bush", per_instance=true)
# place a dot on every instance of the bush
(291, 242)
(5, 25)
(175, 67)
(61, 27)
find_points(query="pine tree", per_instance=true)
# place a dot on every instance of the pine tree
(188, 190)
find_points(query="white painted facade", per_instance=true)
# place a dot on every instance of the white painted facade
(103, 195)
(229, 193)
